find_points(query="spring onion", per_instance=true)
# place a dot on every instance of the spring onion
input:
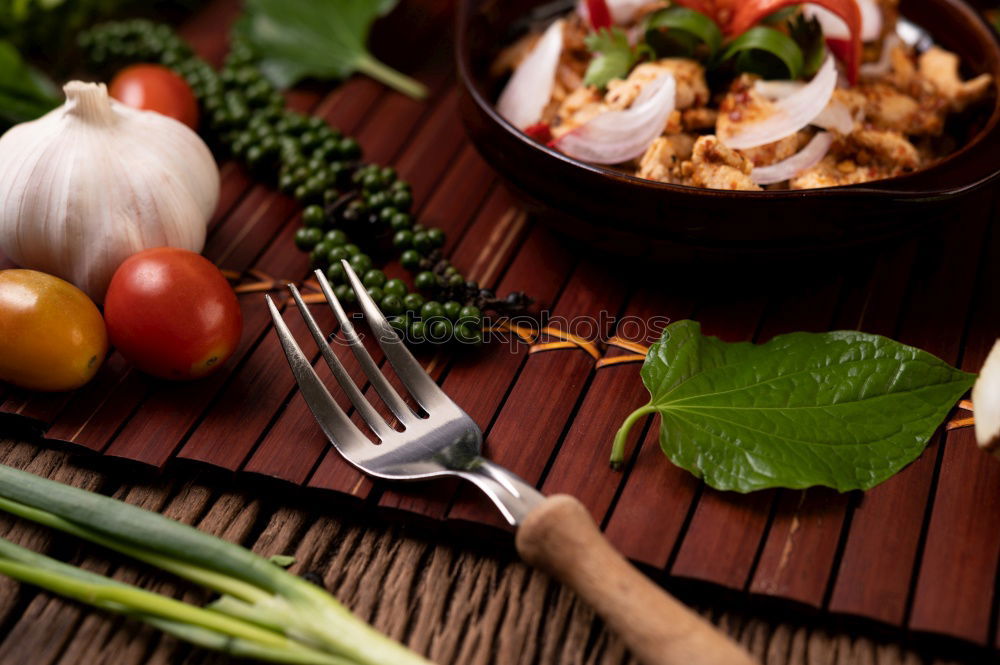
(265, 612)
(767, 52)
(679, 31)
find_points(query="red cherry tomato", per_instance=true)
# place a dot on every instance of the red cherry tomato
(156, 88)
(172, 314)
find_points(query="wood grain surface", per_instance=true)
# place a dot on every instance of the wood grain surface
(458, 603)
(917, 556)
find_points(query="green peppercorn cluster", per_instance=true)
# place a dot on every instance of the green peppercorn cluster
(245, 116)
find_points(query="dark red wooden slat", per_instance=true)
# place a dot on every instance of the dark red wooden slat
(726, 529)
(957, 573)
(470, 176)
(528, 429)
(656, 491)
(581, 467)
(479, 383)
(488, 247)
(216, 442)
(799, 555)
(875, 572)
(421, 165)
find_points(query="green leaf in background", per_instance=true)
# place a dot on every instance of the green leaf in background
(297, 39)
(842, 409)
(614, 56)
(25, 93)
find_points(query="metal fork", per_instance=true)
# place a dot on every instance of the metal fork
(555, 534)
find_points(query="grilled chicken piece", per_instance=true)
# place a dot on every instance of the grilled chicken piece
(577, 108)
(715, 166)
(663, 158)
(690, 76)
(890, 149)
(699, 118)
(885, 107)
(834, 172)
(772, 153)
(940, 67)
(742, 105)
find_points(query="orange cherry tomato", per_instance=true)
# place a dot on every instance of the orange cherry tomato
(172, 314)
(51, 335)
(156, 88)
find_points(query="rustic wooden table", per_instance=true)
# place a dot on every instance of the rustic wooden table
(238, 454)
(456, 603)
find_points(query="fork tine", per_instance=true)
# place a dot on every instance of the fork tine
(385, 390)
(411, 373)
(343, 433)
(363, 406)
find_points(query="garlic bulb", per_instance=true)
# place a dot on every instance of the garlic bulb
(94, 181)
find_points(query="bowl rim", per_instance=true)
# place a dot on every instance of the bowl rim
(874, 188)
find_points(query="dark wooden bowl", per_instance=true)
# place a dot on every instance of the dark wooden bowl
(637, 217)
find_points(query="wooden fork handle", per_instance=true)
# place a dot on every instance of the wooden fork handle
(560, 538)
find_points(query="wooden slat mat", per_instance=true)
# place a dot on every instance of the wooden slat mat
(918, 553)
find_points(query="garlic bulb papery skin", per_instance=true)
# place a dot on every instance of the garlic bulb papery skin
(986, 401)
(94, 181)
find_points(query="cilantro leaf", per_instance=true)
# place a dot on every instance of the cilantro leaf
(296, 39)
(613, 58)
(841, 409)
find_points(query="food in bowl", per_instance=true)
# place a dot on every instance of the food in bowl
(739, 94)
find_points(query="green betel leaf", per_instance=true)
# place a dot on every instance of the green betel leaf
(842, 409)
(297, 39)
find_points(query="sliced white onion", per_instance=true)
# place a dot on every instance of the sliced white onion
(791, 114)
(835, 117)
(884, 63)
(835, 28)
(804, 159)
(622, 11)
(618, 136)
(529, 89)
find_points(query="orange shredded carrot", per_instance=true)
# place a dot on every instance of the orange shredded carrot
(231, 274)
(620, 360)
(965, 404)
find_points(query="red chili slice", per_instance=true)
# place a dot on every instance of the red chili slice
(746, 13)
(540, 131)
(600, 15)
(738, 16)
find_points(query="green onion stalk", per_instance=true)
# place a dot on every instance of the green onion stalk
(263, 612)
